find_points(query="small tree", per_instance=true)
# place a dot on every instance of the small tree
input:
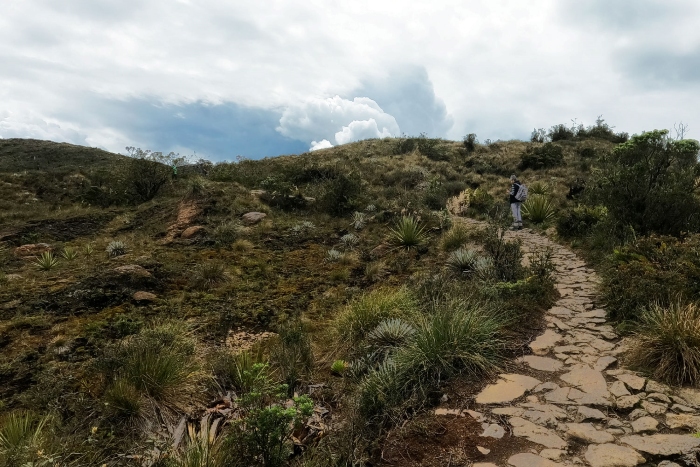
(649, 184)
(147, 171)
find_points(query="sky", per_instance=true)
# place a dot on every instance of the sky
(218, 79)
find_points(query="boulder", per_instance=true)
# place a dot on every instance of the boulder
(32, 249)
(252, 218)
(193, 231)
(142, 296)
(133, 270)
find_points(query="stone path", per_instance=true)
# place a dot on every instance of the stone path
(575, 402)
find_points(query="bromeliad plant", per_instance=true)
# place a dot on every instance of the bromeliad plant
(408, 233)
(47, 261)
(539, 209)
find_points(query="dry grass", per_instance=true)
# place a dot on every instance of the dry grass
(667, 343)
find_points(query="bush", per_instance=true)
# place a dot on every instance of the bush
(507, 255)
(561, 133)
(539, 208)
(341, 194)
(580, 221)
(432, 148)
(365, 313)
(543, 157)
(667, 343)
(147, 172)
(470, 142)
(649, 184)
(462, 262)
(293, 355)
(408, 233)
(455, 237)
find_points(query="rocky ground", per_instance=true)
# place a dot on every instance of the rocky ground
(573, 400)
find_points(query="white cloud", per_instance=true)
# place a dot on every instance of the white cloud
(337, 119)
(323, 144)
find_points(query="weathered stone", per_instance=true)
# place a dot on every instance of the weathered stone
(612, 455)
(142, 296)
(654, 408)
(541, 363)
(544, 342)
(567, 349)
(635, 383)
(548, 386)
(193, 231)
(552, 454)
(587, 380)
(484, 464)
(478, 416)
(132, 270)
(508, 388)
(604, 362)
(657, 396)
(618, 389)
(527, 459)
(558, 396)
(494, 431)
(33, 249)
(636, 413)
(627, 402)
(508, 411)
(662, 445)
(536, 434)
(691, 397)
(588, 433)
(645, 424)
(482, 450)
(441, 412)
(668, 464)
(691, 422)
(587, 413)
(653, 386)
(682, 408)
(251, 218)
(561, 311)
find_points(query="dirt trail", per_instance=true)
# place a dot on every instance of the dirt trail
(574, 401)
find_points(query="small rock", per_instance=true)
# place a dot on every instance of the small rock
(536, 434)
(627, 402)
(548, 386)
(484, 451)
(654, 408)
(588, 433)
(612, 455)
(251, 218)
(587, 413)
(552, 454)
(587, 380)
(662, 445)
(618, 389)
(442, 412)
(142, 296)
(653, 386)
(193, 231)
(508, 388)
(645, 424)
(527, 459)
(668, 464)
(544, 342)
(493, 431)
(636, 413)
(683, 421)
(635, 383)
(132, 270)
(478, 416)
(657, 396)
(32, 249)
(604, 362)
(541, 363)
(682, 408)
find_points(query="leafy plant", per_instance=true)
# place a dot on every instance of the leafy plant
(540, 188)
(539, 208)
(667, 343)
(20, 432)
(46, 262)
(408, 233)
(580, 221)
(393, 332)
(370, 208)
(349, 241)
(338, 367)
(116, 248)
(462, 261)
(333, 255)
(69, 254)
(542, 157)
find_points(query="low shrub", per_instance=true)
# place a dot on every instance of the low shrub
(455, 237)
(580, 221)
(292, 354)
(667, 343)
(506, 255)
(543, 157)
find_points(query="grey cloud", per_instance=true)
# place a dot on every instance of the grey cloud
(408, 95)
(661, 67)
(622, 15)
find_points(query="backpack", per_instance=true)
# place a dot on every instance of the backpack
(521, 195)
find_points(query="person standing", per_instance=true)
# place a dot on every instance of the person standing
(515, 204)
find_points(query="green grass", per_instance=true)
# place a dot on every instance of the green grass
(454, 238)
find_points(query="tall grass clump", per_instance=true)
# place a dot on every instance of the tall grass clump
(455, 237)
(365, 313)
(408, 233)
(20, 437)
(540, 188)
(462, 261)
(208, 275)
(667, 343)
(539, 209)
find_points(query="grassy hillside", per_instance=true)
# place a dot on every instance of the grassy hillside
(145, 311)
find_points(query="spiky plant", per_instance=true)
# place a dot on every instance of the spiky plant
(539, 209)
(338, 367)
(69, 254)
(19, 431)
(123, 400)
(540, 188)
(391, 333)
(303, 227)
(359, 220)
(462, 261)
(371, 208)
(667, 343)
(333, 255)
(408, 233)
(89, 249)
(116, 248)
(484, 268)
(47, 261)
(349, 241)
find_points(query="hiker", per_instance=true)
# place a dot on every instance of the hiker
(516, 201)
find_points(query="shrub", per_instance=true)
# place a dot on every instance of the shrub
(408, 233)
(293, 354)
(455, 237)
(365, 313)
(46, 262)
(116, 248)
(667, 343)
(580, 221)
(404, 145)
(148, 171)
(462, 261)
(359, 220)
(546, 156)
(227, 232)
(539, 135)
(480, 201)
(539, 208)
(561, 133)
(506, 255)
(470, 142)
(208, 275)
(243, 372)
(649, 184)
(432, 148)
(341, 194)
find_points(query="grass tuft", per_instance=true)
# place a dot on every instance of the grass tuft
(455, 237)
(408, 233)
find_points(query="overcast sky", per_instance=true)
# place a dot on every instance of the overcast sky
(222, 78)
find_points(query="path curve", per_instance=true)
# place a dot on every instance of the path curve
(576, 403)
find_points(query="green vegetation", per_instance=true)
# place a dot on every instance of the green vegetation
(408, 233)
(47, 261)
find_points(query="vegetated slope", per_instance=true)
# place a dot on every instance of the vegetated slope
(18, 154)
(185, 280)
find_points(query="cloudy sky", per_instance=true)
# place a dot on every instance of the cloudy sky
(222, 78)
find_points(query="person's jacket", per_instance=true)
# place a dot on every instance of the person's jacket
(513, 190)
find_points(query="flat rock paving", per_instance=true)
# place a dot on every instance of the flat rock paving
(575, 403)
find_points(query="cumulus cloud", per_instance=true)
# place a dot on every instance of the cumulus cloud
(323, 144)
(337, 119)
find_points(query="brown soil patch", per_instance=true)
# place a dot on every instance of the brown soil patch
(432, 441)
(186, 214)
